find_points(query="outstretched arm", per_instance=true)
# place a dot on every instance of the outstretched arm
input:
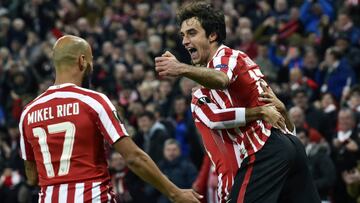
(168, 65)
(143, 166)
(214, 117)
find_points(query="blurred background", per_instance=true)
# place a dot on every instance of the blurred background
(308, 50)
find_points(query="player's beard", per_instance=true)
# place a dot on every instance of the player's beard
(86, 78)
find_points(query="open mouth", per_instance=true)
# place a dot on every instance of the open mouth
(193, 53)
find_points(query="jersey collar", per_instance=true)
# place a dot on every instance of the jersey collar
(53, 87)
(221, 47)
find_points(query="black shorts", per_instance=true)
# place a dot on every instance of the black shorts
(278, 173)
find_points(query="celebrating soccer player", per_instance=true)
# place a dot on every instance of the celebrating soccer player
(63, 133)
(249, 142)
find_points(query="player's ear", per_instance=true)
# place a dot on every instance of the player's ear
(82, 62)
(213, 37)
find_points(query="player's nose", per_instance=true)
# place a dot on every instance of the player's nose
(185, 41)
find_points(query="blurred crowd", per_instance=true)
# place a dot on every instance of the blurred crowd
(309, 51)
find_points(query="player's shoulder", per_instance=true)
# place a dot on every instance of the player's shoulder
(98, 96)
(225, 51)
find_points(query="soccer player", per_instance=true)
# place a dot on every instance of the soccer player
(63, 132)
(254, 159)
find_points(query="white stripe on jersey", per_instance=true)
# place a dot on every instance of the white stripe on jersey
(220, 185)
(79, 192)
(92, 103)
(237, 153)
(264, 130)
(226, 187)
(217, 59)
(226, 91)
(252, 144)
(63, 193)
(218, 99)
(257, 137)
(232, 64)
(48, 194)
(109, 196)
(95, 192)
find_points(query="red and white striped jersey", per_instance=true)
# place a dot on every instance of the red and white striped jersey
(220, 116)
(63, 131)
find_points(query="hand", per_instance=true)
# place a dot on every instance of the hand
(273, 117)
(187, 195)
(337, 143)
(269, 97)
(168, 65)
(351, 145)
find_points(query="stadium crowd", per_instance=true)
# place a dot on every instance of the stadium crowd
(308, 50)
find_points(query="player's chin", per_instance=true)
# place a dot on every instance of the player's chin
(195, 61)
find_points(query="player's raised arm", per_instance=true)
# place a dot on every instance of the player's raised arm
(143, 166)
(168, 65)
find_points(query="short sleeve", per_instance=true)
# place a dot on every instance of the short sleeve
(226, 61)
(25, 146)
(110, 124)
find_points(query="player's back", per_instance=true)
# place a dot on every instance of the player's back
(63, 131)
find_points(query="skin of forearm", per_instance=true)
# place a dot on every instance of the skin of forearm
(289, 124)
(142, 165)
(206, 77)
(253, 114)
(31, 173)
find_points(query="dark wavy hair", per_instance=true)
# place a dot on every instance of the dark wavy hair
(212, 20)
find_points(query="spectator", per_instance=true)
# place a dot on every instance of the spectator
(297, 116)
(127, 186)
(313, 116)
(262, 59)
(329, 108)
(352, 180)
(321, 165)
(311, 12)
(345, 151)
(335, 73)
(179, 170)
(151, 136)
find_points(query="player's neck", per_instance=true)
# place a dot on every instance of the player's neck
(64, 78)
(213, 48)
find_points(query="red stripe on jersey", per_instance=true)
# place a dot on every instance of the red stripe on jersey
(87, 191)
(225, 61)
(229, 144)
(55, 194)
(225, 98)
(71, 193)
(246, 180)
(254, 140)
(104, 193)
(211, 64)
(247, 144)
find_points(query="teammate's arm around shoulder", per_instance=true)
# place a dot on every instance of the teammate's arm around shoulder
(143, 166)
